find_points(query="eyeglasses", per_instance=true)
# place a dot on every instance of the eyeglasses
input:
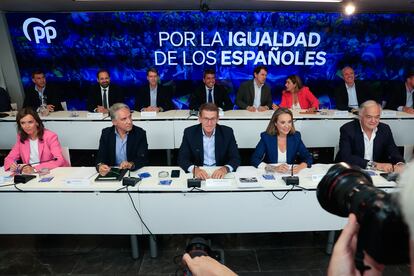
(209, 120)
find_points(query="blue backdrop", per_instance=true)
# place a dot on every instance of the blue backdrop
(71, 47)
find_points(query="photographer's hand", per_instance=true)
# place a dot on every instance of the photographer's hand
(204, 265)
(342, 262)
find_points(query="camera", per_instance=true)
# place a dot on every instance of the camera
(198, 246)
(383, 233)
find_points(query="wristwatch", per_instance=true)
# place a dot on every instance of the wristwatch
(371, 165)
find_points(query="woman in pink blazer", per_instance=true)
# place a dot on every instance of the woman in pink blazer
(34, 144)
(298, 96)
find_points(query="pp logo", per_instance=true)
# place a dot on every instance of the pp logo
(39, 32)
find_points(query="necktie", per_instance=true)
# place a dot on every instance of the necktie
(104, 100)
(209, 96)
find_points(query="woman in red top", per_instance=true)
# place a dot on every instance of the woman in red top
(298, 96)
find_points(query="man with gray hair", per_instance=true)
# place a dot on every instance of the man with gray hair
(368, 143)
(123, 144)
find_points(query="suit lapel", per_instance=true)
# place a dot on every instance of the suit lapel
(25, 151)
(218, 141)
(252, 91)
(360, 138)
(41, 145)
(112, 148)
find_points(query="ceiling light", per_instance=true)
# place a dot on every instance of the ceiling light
(349, 8)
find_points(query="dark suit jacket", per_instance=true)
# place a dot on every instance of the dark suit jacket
(4, 100)
(363, 93)
(137, 147)
(115, 95)
(221, 97)
(266, 150)
(397, 96)
(245, 95)
(52, 94)
(192, 151)
(143, 98)
(352, 148)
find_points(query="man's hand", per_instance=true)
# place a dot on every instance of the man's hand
(398, 168)
(251, 108)
(151, 108)
(50, 107)
(275, 107)
(126, 165)
(385, 167)
(263, 108)
(101, 109)
(408, 109)
(103, 169)
(200, 173)
(206, 266)
(219, 173)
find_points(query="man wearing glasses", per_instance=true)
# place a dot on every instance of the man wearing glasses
(368, 143)
(208, 144)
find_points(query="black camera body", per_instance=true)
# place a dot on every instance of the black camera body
(383, 233)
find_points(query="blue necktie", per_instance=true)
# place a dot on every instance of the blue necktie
(209, 96)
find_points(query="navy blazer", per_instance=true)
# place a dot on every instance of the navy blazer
(143, 98)
(137, 147)
(363, 93)
(221, 97)
(267, 151)
(52, 95)
(192, 151)
(115, 95)
(352, 147)
(245, 95)
(397, 96)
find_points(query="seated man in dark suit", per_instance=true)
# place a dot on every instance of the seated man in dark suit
(4, 100)
(401, 96)
(152, 96)
(351, 94)
(208, 144)
(255, 95)
(368, 143)
(40, 94)
(102, 96)
(123, 145)
(210, 92)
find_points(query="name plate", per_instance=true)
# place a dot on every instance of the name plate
(148, 113)
(341, 113)
(216, 183)
(391, 113)
(92, 115)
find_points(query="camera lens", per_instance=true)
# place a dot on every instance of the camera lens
(339, 185)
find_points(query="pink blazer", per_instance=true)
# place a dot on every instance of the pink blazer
(49, 148)
(305, 97)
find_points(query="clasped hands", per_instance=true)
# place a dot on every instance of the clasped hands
(22, 168)
(217, 174)
(285, 168)
(388, 167)
(104, 169)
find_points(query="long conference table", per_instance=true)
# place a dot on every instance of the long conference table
(165, 130)
(74, 203)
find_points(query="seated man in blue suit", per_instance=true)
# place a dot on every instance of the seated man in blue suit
(368, 143)
(208, 144)
(123, 144)
(281, 144)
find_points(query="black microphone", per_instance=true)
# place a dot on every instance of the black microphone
(130, 181)
(194, 182)
(44, 161)
(291, 180)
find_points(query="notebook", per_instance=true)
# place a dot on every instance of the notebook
(114, 174)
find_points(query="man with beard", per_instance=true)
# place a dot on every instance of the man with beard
(102, 96)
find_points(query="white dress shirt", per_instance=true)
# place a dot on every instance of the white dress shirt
(369, 144)
(257, 94)
(352, 97)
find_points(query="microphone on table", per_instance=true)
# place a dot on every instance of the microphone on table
(291, 180)
(24, 178)
(194, 182)
(130, 180)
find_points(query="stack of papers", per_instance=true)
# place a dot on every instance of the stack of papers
(97, 115)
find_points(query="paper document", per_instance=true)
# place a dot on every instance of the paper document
(80, 176)
(218, 182)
